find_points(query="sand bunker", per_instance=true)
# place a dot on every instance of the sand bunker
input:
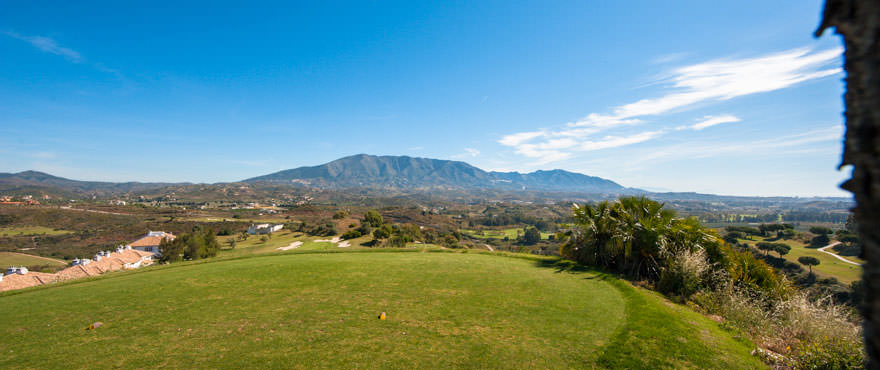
(293, 245)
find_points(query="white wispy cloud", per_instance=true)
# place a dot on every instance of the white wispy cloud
(468, 153)
(617, 141)
(722, 80)
(48, 45)
(519, 138)
(710, 121)
(683, 88)
(755, 147)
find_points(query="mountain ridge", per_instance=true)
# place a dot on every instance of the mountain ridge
(363, 170)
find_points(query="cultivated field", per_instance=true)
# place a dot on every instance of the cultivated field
(297, 310)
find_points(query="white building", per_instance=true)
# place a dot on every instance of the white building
(17, 270)
(150, 242)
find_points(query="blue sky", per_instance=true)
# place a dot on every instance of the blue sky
(719, 97)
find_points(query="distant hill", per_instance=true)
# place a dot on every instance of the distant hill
(34, 180)
(402, 172)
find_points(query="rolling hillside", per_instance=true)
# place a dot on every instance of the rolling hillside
(320, 310)
(29, 181)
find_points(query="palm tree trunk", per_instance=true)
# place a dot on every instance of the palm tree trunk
(859, 24)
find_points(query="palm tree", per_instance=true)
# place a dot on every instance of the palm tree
(647, 223)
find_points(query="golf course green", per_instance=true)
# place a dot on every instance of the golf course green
(305, 310)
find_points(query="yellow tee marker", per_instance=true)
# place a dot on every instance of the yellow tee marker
(382, 316)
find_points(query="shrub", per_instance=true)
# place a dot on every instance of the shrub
(351, 234)
(531, 236)
(811, 334)
(373, 218)
(684, 274)
(396, 241)
(828, 353)
(324, 229)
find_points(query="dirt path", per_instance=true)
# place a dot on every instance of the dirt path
(95, 211)
(823, 250)
(293, 245)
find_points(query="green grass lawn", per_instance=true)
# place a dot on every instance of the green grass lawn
(254, 219)
(20, 259)
(499, 234)
(304, 310)
(31, 230)
(829, 266)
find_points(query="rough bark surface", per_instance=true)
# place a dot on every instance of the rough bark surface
(858, 21)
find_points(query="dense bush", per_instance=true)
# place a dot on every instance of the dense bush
(531, 236)
(323, 229)
(373, 218)
(351, 234)
(198, 244)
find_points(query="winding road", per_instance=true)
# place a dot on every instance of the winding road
(823, 250)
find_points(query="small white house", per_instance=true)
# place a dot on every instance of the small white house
(17, 270)
(255, 229)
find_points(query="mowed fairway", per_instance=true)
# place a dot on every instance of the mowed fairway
(8, 259)
(320, 310)
(828, 267)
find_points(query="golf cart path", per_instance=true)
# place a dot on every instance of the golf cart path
(823, 250)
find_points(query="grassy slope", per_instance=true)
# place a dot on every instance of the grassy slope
(20, 259)
(829, 266)
(254, 245)
(319, 310)
(499, 234)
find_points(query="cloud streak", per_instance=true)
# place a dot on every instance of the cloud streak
(683, 88)
(710, 121)
(48, 45)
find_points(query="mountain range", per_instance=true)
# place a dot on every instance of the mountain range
(378, 176)
(357, 171)
(402, 172)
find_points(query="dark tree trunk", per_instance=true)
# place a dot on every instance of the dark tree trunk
(859, 24)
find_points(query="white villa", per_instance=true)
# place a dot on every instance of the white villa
(150, 242)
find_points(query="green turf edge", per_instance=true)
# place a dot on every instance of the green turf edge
(635, 345)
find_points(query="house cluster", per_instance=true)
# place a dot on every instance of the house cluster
(255, 229)
(25, 200)
(135, 255)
